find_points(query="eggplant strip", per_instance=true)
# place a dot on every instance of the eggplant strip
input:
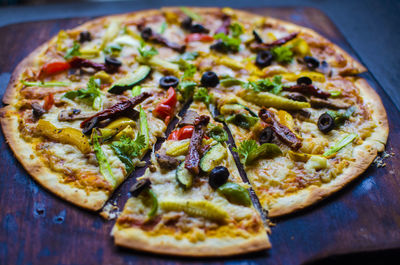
(224, 28)
(192, 159)
(283, 132)
(149, 35)
(320, 103)
(279, 42)
(308, 90)
(119, 109)
(78, 62)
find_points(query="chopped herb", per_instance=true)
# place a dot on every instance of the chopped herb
(191, 14)
(273, 86)
(145, 52)
(217, 133)
(45, 84)
(189, 70)
(91, 96)
(113, 49)
(229, 43)
(189, 56)
(127, 148)
(186, 88)
(249, 151)
(74, 51)
(340, 117)
(242, 120)
(202, 94)
(163, 27)
(341, 144)
(282, 54)
(104, 165)
(236, 30)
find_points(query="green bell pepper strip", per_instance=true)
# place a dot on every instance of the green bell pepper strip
(235, 193)
(154, 203)
(341, 144)
(105, 168)
(45, 84)
(144, 127)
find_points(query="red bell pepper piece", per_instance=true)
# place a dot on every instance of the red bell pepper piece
(165, 108)
(54, 68)
(185, 132)
(48, 102)
(198, 37)
(174, 135)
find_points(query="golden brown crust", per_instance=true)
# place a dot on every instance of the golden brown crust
(167, 244)
(363, 155)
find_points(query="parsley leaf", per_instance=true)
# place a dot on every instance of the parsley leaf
(249, 151)
(145, 52)
(186, 88)
(274, 86)
(189, 70)
(189, 56)
(202, 95)
(92, 95)
(113, 49)
(282, 54)
(229, 43)
(236, 30)
(127, 148)
(74, 51)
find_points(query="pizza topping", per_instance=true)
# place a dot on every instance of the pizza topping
(326, 123)
(53, 68)
(130, 80)
(242, 120)
(264, 58)
(249, 151)
(340, 145)
(209, 79)
(165, 108)
(213, 157)
(267, 99)
(92, 95)
(48, 102)
(198, 37)
(235, 193)
(279, 42)
(169, 81)
(266, 135)
(274, 86)
(139, 187)
(218, 176)
(308, 90)
(192, 159)
(319, 103)
(120, 109)
(126, 149)
(283, 132)
(167, 162)
(149, 35)
(217, 133)
(282, 54)
(257, 37)
(188, 119)
(73, 51)
(224, 28)
(183, 176)
(45, 84)
(187, 23)
(304, 80)
(311, 62)
(198, 28)
(112, 62)
(202, 95)
(78, 62)
(72, 115)
(84, 36)
(296, 96)
(37, 110)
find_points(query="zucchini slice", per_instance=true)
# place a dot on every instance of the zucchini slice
(130, 80)
(213, 157)
(184, 177)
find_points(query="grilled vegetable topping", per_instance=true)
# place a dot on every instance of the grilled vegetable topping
(326, 123)
(217, 133)
(249, 151)
(311, 62)
(266, 135)
(308, 90)
(235, 193)
(198, 28)
(304, 80)
(92, 95)
(149, 35)
(192, 159)
(264, 58)
(130, 80)
(327, 103)
(72, 115)
(257, 37)
(167, 162)
(186, 23)
(267, 99)
(188, 119)
(184, 177)
(84, 36)
(283, 132)
(209, 79)
(341, 144)
(204, 209)
(37, 110)
(218, 176)
(213, 157)
(279, 42)
(139, 186)
(242, 120)
(165, 108)
(169, 81)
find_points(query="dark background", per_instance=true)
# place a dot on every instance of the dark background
(370, 27)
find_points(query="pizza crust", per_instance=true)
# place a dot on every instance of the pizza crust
(364, 155)
(166, 244)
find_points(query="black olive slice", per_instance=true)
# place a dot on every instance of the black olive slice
(311, 62)
(263, 59)
(139, 186)
(304, 80)
(187, 23)
(198, 28)
(146, 33)
(218, 176)
(111, 61)
(326, 123)
(266, 135)
(219, 46)
(85, 36)
(257, 37)
(209, 79)
(169, 81)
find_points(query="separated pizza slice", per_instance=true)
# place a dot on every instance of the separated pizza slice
(191, 200)
(305, 141)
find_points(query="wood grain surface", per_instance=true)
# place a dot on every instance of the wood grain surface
(38, 228)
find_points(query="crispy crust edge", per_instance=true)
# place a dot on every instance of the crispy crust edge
(138, 239)
(364, 156)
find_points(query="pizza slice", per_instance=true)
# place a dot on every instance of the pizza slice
(191, 201)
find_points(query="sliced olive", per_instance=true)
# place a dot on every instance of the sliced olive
(218, 176)
(219, 46)
(169, 81)
(311, 62)
(266, 135)
(304, 80)
(186, 23)
(139, 186)
(235, 193)
(198, 28)
(326, 123)
(257, 37)
(146, 33)
(263, 59)
(111, 61)
(85, 36)
(209, 79)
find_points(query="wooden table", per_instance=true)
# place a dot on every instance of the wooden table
(39, 228)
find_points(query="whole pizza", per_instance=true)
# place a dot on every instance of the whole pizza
(84, 108)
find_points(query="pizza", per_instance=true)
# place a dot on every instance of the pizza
(269, 112)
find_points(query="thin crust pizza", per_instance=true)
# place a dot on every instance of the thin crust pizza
(84, 108)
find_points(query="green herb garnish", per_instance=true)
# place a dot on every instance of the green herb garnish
(92, 95)
(203, 95)
(273, 86)
(249, 151)
(282, 54)
(145, 52)
(74, 51)
(217, 133)
(230, 43)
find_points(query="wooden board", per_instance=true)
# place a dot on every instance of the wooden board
(38, 228)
